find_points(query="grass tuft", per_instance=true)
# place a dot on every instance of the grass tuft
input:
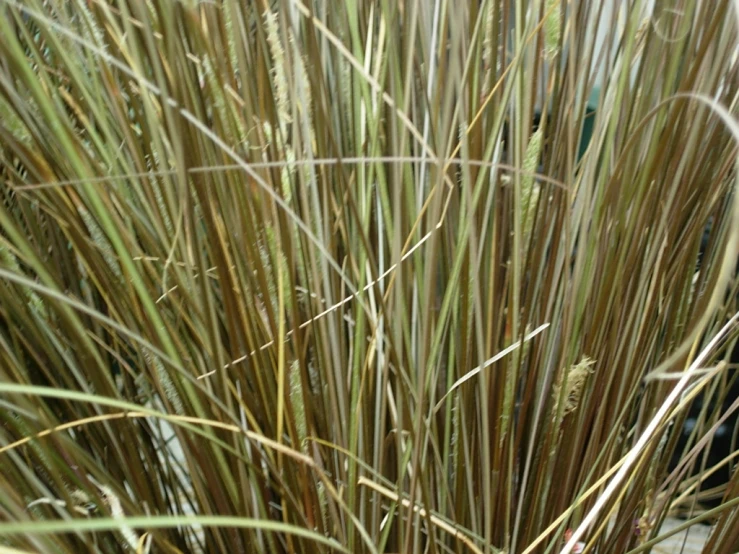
(366, 276)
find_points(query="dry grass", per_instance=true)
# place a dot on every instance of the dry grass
(307, 277)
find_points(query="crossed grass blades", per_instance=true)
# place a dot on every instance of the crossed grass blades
(307, 277)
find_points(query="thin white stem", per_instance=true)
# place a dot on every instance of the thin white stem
(635, 452)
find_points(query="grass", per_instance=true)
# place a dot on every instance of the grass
(363, 276)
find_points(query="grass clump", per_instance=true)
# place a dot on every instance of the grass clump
(363, 276)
